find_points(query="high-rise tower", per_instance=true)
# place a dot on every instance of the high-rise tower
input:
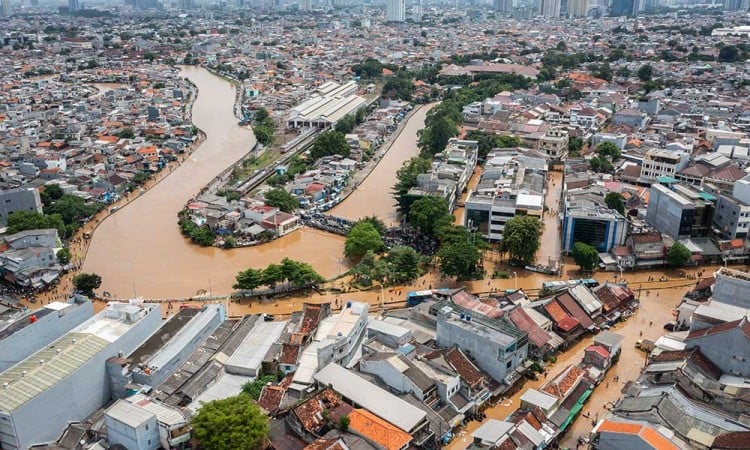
(549, 8)
(396, 11)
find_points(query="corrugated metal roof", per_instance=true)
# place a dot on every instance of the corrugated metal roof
(47, 367)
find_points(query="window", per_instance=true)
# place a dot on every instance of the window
(509, 365)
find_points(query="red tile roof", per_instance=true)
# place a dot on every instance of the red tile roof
(742, 324)
(562, 384)
(646, 238)
(601, 351)
(732, 441)
(310, 413)
(574, 309)
(521, 319)
(382, 432)
(560, 317)
(464, 367)
(270, 398)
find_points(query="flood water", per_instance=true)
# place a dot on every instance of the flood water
(373, 195)
(139, 248)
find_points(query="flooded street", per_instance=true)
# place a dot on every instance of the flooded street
(549, 244)
(373, 196)
(140, 249)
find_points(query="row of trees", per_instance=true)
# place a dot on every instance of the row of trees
(289, 271)
(263, 126)
(488, 140)
(61, 211)
(330, 143)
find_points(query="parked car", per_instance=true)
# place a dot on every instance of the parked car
(670, 326)
(646, 345)
(268, 317)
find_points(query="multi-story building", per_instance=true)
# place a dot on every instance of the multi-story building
(554, 143)
(511, 184)
(66, 381)
(663, 163)
(19, 199)
(37, 329)
(577, 8)
(496, 347)
(680, 212)
(142, 423)
(592, 224)
(549, 8)
(450, 172)
(732, 217)
(396, 11)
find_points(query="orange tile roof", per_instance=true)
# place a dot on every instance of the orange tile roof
(657, 440)
(620, 427)
(378, 430)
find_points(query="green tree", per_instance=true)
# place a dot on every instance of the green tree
(645, 72)
(406, 178)
(86, 283)
(586, 256)
(300, 274)
(521, 238)
(508, 141)
(615, 200)
(346, 124)
(273, 274)
(329, 143)
(426, 212)
(203, 236)
(279, 198)
(50, 194)
(434, 138)
(459, 259)
(63, 256)
(375, 222)
(255, 388)
(32, 220)
(404, 264)
(678, 254)
(362, 238)
(229, 424)
(72, 209)
(249, 279)
(574, 146)
(728, 53)
(609, 150)
(623, 72)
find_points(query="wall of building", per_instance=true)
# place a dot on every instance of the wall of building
(188, 339)
(666, 215)
(732, 218)
(390, 376)
(614, 232)
(21, 199)
(731, 290)
(728, 350)
(43, 418)
(32, 338)
(489, 355)
(143, 437)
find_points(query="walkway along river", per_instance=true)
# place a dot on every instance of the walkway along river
(140, 251)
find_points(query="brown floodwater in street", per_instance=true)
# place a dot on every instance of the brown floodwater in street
(549, 248)
(139, 249)
(373, 196)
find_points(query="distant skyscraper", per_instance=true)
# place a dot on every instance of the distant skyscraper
(549, 8)
(503, 5)
(736, 5)
(416, 11)
(396, 10)
(577, 8)
(73, 6)
(5, 8)
(623, 8)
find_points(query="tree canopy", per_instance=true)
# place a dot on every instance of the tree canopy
(586, 256)
(279, 198)
(229, 424)
(296, 273)
(608, 149)
(488, 140)
(459, 259)
(329, 143)
(615, 200)
(521, 238)
(678, 254)
(362, 238)
(31, 220)
(406, 178)
(427, 212)
(87, 282)
(645, 72)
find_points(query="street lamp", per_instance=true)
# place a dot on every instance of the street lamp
(619, 266)
(515, 280)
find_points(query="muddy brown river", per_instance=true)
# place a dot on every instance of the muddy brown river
(139, 248)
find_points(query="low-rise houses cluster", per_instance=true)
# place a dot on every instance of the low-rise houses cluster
(450, 172)
(692, 392)
(29, 258)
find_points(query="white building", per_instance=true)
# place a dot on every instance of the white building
(67, 381)
(37, 329)
(328, 104)
(396, 11)
(663, 163)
